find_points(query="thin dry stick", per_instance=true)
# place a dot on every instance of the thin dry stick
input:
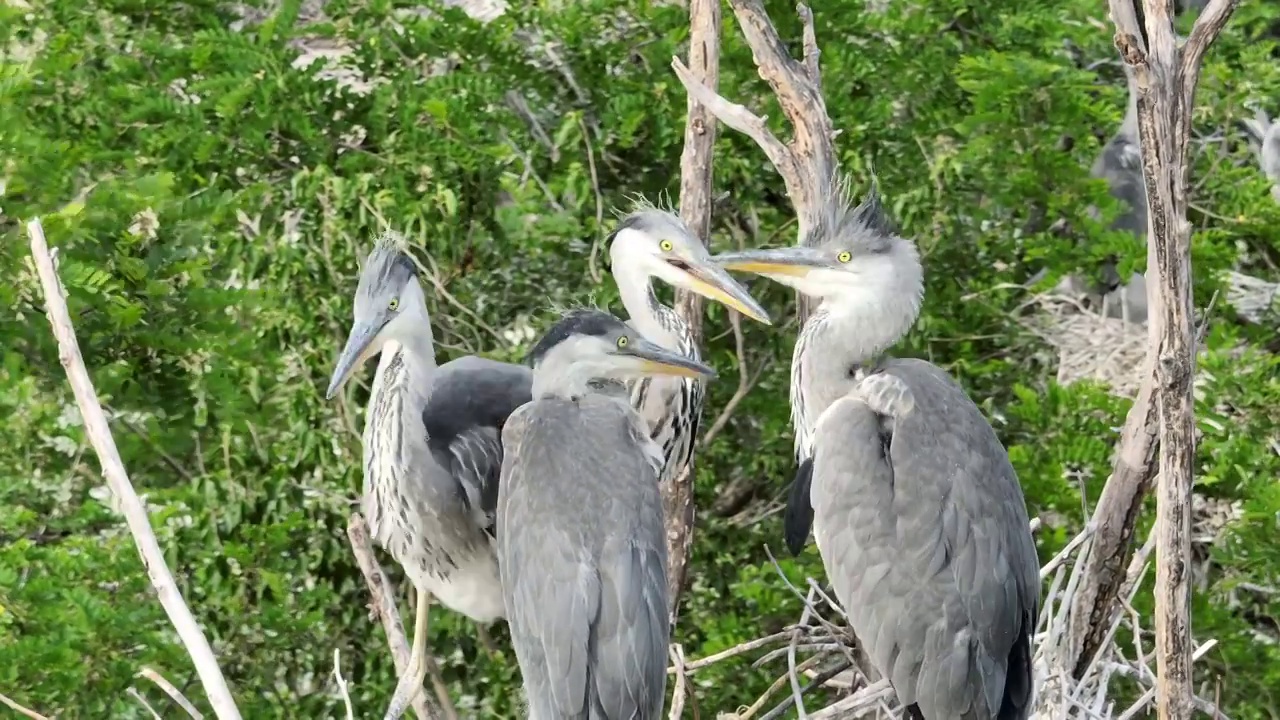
(20, 709)
(733, 651)
(133, 692)
(695, 211)
(1166, 82)
(677, 696)
(791, 657)
(342, 685)
(174, 693)
(95, 423)
(384, 605)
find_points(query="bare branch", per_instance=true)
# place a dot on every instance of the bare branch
(1164, 98)
(25, 712)
(695, 210)
(95, 423)
(1166, 86)
(682, 679)
(807, 164)
(173, 692)
(739, 118)
(1209, 25)
(133, 692)
(342, 685)
(384, 605)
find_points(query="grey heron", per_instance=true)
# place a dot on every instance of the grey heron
(432, 449)
(1264, 137)
(580, 540)
(1120, 165)
(916, 509)
(649, 243)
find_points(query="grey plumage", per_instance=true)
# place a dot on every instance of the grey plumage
(432, 450)
(580, 532)
(1264, 138)
(917, 512)
(671, 407)
(1120, 165)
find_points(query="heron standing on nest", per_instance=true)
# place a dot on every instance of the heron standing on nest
(581, 541)
(652, 243)
(432, 449)
(917, 512)
(432, 440)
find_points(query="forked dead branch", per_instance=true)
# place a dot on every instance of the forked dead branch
(1077, 648)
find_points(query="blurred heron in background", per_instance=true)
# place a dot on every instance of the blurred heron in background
(1264, 138)
(1120, 165)
(916, 509)
(432, 449)
(581, 541)
(652, 243)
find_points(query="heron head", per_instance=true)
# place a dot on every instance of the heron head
(659, 244)
(589, 344)
(389, 305)
(855, 255)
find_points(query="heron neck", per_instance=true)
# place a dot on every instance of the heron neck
(836, 342)
(418, 357)
(647, 315)
(573, 379)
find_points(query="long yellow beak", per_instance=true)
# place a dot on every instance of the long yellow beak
(657, 360)
(713, 282)
(792, 261)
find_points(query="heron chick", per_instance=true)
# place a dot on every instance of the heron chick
(432, 449)
(581, 541)
(916, 509)
(653, 243)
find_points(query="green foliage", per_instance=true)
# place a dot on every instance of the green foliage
(211, 193)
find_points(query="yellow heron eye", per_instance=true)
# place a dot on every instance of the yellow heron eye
(622, 341)
(844, 256)
(666, 245)
(395, 303)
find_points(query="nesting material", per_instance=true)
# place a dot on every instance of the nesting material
(1091, 347)
(1112, 351)
(1253, 298)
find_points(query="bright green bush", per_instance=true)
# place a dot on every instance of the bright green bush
(211, 196)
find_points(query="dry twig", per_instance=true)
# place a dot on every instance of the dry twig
(695, 210)
(384, 605)
(342, 685)
(682, 680)
(95, 423)
(25, 712)
(172, 691)
(133, 693)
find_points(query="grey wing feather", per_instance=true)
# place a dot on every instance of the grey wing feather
(583, 564)
(469, 404)
(631, 633)
(923, 531)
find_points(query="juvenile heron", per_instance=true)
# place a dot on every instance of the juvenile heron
(1264, 138)
(580, 533)
(432, 449)
(917, 512)
(651, 243)
(1120, 165)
